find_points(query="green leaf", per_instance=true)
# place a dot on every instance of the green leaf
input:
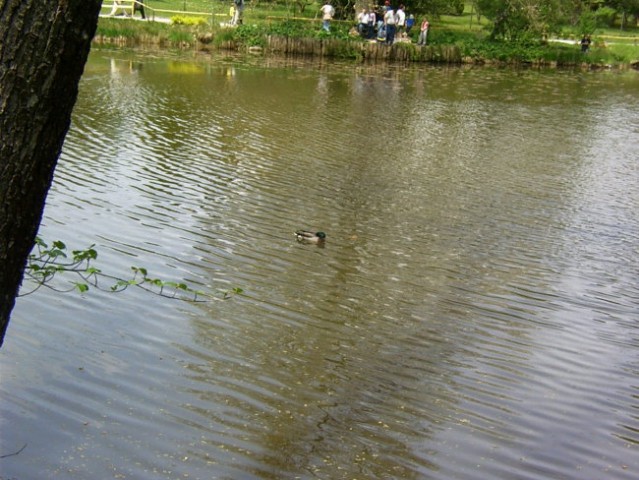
(141, 270)
(56, 252)
(88, 254)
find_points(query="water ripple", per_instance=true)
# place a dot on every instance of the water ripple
(472, 315)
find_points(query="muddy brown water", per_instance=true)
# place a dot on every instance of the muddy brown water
(474, 313)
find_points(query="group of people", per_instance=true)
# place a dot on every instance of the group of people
(385, 24)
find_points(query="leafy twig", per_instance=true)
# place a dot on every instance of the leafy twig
(45, 263)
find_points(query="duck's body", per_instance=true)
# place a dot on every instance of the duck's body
(310, 237)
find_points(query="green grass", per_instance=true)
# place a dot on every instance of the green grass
(610, 45)
(615, 54)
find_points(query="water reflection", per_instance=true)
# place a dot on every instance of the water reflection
(472, 313)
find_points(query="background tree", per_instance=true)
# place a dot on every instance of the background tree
(344, 9)
(627, 8)
(43, 48)
(520, 19)
(430, 7)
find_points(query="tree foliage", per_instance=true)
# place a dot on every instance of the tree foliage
(626, 8)
(435, 7)
(523, 19)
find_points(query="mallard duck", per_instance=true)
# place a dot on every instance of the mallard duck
(310, 237)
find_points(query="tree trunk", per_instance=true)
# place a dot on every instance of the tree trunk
(44, 45)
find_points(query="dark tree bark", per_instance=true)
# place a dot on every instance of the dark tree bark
(44, 45)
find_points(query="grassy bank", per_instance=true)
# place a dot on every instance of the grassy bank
(202, 25)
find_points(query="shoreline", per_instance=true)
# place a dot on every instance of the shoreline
(164, 35)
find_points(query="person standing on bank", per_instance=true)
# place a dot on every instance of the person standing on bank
(362, 23)
(372, 23)
(423, 33)
(327, 15)
(139, 7)
(400, 21)
(237, 12)
(389, 23)
(410, 23)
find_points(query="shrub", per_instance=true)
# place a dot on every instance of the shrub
(249, 35)
(189, 21)
(605, 17)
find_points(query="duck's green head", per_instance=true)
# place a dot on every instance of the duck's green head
(320, 235)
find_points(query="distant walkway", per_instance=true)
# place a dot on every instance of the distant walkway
(139, 19)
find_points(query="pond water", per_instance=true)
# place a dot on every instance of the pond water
(473, 314)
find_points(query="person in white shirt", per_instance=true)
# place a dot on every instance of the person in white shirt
(390, 24)
(400, 20)
(362, 23)
(327, 15)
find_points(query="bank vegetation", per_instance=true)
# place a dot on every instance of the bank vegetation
(537, 32)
